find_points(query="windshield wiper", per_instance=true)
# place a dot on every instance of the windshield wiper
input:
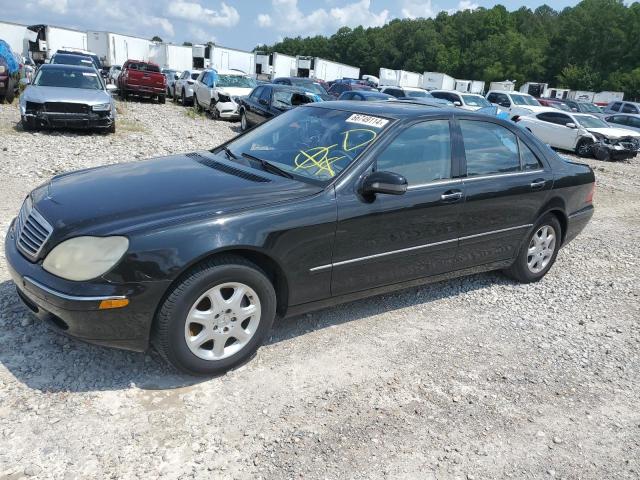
(268, 166)
(230, 155)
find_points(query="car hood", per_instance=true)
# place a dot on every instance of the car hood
(235, 91)
(148, 194)
(614, 132)
(37, 94)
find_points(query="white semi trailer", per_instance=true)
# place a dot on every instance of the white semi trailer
(400, 78)
(175, 57)
(224, 58)
(438, 81)
(603, 98)
(274, 65)
(505, 86)
(581, 95)
(463, 85)
(50, 39)
(327, 70)
(115, 49)
(16, 36)
(477, 86)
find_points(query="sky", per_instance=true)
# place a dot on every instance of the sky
(239, 24)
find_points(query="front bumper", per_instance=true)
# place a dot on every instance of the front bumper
(71, 120)
(228, 110)
(616, 150)
(72, 308)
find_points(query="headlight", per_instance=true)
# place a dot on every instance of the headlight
(101, 107)
(223, 98)
(84, 258)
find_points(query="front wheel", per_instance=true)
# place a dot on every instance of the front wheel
(244, 125)
(539, 252)
(584, 147)
(216, 317)
(161, 99)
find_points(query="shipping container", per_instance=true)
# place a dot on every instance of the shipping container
(504, 86)
(463, 85)
(477, 86)
(603, 98)
(274, 65)
(16, 36)
(399, 78)
(581, 96)
(558, 93)
(438, 81)
(175, 57)
(50, 39)
(224, 58)
(534, 89)
(115, 49)
(321, 69)
(199, 56)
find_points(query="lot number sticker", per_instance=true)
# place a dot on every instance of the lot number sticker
(367, 120)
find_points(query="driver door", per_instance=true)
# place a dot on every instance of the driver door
(395, 238)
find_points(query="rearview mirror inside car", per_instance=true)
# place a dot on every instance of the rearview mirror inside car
(388, 183)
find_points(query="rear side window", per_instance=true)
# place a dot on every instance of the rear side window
(489, 148)
(619, 119)
(633, 122)
(421, 153)
(616, 106)
(528, 159)
(499, 98)
(266, 94)
(629, 108)
(256, 93)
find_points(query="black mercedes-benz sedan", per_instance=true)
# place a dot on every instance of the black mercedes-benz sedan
(329, 202)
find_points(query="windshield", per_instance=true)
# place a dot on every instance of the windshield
(524, 100)
(235, 81)
(588, 121)
(310, 86)
(73, 60)
(417, 94)
(60, 77)
(589, 107)
(476, 101)
(313, 144)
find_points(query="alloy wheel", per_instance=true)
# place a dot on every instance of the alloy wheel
(541, 248)
(222, 321)
(243, 121)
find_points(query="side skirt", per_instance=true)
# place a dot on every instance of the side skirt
(294, 310)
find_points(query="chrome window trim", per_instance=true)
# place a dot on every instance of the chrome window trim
(453, 181)
(417, 247)
(74, 298)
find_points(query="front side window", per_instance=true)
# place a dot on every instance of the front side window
(524, 100)
(629, 108)
(417, 94)
(265, 95)
(312, 144)
(256, 93)
(616, 106)
(633, 122)
(489, 148)
(587, 121)
(475, 101)
(421, 153)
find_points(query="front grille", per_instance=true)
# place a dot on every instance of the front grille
(630, 143)
(62, 107)
(32, 231)
(33, 107)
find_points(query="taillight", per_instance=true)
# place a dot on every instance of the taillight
(592, 191)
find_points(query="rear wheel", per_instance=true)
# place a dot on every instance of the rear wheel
(216, 317)
(196, 104)
(584, 147)
(244, 125)
(161, 99)
(538, 253)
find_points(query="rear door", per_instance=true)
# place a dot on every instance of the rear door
(397, 238)
(506, 185)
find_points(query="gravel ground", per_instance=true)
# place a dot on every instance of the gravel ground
(474, 378)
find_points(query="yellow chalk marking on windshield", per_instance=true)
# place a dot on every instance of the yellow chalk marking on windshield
(345, 141)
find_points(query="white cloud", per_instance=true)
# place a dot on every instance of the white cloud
(464, 5)
(163, 23)
(227, 16)
(287, 17)
(416, 9)
(200, 35)
(56, 6)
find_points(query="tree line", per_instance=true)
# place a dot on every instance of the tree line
(593, 46)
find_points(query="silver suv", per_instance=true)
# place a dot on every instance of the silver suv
(183, 89)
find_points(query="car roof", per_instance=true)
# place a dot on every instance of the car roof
(391, 109)
(62, 66)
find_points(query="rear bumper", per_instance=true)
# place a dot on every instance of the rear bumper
(577, 221)
(144, 90)
(72, 308)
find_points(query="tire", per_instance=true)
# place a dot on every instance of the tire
(602, 154)
(244, 126)
(215, 114)
(11, 94)
(28, 124)
(112, 128)
(583, 148)
(527, 268)
(162, 99)
(176, 330)
(183, 99)
(1, 100)
(196, 104)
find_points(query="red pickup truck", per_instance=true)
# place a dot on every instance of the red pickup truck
(143, 79)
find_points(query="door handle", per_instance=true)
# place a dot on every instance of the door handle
(451, 196)
(538, 183)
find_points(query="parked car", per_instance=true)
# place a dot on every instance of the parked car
(114, 73)
(365, 96)
(326, 203)
(97, 63)
(183, 89)
(516, 103)
(68, 96)
(624, 120)
(9, 73)
(219, 92)
(338, 88)
(430, 101)
(308, 84)
(66, 59)
(466, 101)
(142, 79)
(584, 134)
(406, 92)
(171, 76)
(622, 107)
(584, 107)
(554, 103)
(268, 101)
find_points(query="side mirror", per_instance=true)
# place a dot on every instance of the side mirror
(384, 182)
(111, 87)
(176, 77)
(570, 125)
(457, 103)
(264, 102)
(574, 109)
(25, 81)
(504, 104)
